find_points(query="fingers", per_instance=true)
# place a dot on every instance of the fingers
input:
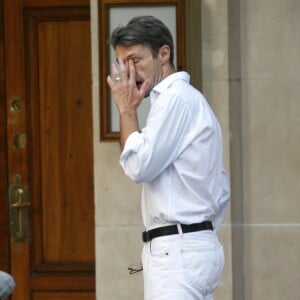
(125, 73)
(119, 72)
(131, 73)
(127, 70)
(114, 71)
(123, 70)
(109, 81)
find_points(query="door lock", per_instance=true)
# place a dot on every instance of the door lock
(15, 105)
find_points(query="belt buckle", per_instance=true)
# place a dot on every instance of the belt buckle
(146, 236)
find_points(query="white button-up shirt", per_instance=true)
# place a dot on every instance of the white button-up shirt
(178, 157)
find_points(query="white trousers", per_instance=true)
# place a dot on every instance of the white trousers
(183, 266)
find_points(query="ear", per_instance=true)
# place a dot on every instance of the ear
(164, 54)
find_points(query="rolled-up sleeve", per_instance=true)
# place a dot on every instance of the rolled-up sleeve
(146, 154)
(128, 159)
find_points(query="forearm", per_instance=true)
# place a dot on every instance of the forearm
(128, 124)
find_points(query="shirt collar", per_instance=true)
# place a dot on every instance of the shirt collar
(165, 83)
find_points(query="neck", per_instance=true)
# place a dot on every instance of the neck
(168, 71)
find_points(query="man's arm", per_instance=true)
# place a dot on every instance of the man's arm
(128, 125)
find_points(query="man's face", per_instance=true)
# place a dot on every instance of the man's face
(146, 67)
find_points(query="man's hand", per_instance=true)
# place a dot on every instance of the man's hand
(127, 97)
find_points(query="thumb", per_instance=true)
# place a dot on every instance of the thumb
(145, 87)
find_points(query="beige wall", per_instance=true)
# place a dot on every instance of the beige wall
(214, 50)
(270, 73)
(251, 77)
(262, 80)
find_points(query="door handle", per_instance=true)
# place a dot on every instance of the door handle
(20, 205)
(19, 211)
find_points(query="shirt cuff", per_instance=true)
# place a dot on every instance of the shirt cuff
(132, 144)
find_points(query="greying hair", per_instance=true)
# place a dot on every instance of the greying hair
(144, 30)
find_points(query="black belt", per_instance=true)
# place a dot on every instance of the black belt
(173, 229)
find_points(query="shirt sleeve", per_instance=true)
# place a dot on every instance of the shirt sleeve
(147, 154)
(222, 201)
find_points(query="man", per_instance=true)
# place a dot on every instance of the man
(177, 157)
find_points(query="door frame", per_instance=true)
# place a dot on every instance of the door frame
(4, 222)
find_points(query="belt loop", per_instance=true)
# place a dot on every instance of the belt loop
(179, 229)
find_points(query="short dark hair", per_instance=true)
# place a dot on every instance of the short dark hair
(144, 30)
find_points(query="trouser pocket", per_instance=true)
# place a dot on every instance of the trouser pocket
(203, 263)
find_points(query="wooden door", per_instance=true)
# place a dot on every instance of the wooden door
(50, 148)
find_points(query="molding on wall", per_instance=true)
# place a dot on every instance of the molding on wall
(193, 52)
(236, 151)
